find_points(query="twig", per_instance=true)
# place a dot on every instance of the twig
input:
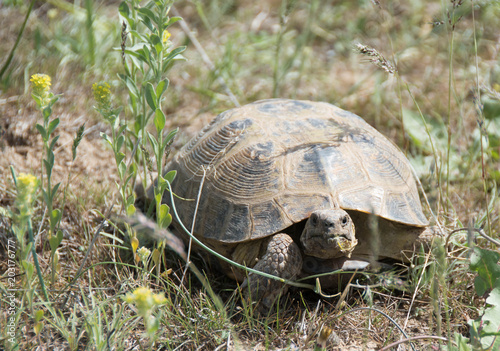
(188, 259)
(421, 337)
(477, 230)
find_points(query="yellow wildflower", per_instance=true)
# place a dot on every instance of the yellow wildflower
(159, 299)
(323, 338)
(143, 253)
(26, 189)
(40, 83)
(144, 299)
(102, 95)
(166, 35)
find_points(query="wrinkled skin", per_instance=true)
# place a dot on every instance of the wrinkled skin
(328, 234)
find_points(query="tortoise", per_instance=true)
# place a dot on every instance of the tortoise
(291, 187)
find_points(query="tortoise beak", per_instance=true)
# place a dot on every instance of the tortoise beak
(345, 245)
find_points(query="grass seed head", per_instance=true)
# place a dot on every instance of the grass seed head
(375, 57)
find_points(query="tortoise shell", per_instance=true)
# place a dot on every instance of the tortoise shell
(270, 164)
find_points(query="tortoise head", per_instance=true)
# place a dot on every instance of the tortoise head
(329, 234)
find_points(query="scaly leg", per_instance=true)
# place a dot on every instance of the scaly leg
(282, 259)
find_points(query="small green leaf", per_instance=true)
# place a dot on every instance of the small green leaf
(138, 61)
(124, 10)
(158, 198)
(491, 319)
(157, 43)
(153, 142)
(121, 129)
(52, 126)
(29, 269)
(129, 177)
(155, 255)
(105, 137)
(119, 142)
(151, 96)
(48, 167)
(484, 262)
(132, 169)
(37, 99)
(164, 218)
(53, 142)
(122, 168)
(170, 136)
(38, 316)
(170, 176)
(131, 86)
(119, 158)
(116, 123)
(55, 240)
(46, 112)
(38, 328)
(137, 124)
(42, 131)
(45, 196)
(130, 210)
(55, 217)
(148, 17)
(130, 200)
(159, 120)
(53, 99)
(484, 331)
(54, 190)
(172, 54)
(161, 87)
(171, 21)
(147, 54)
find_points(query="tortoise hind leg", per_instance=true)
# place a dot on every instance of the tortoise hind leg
(283, 259)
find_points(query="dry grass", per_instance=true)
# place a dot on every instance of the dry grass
(241, 38)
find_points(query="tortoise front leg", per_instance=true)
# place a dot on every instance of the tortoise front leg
(282, 259)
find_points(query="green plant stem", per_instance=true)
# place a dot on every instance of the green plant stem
(483, 170)
(35, 260)
(20, 34)
(277, 54)
(90, 31)
(450, 86)
(434, 152)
